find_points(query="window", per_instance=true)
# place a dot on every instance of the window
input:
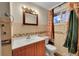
(61, 17)
(65, 17)
(57, 19)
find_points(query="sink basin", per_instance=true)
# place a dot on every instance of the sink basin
(22, 41)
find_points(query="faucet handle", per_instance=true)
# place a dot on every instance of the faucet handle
(28, 36)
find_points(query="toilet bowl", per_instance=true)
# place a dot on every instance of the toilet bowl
(50, 49)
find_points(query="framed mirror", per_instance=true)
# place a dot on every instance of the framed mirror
(30, 18)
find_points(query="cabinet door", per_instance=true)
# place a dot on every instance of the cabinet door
(15, 52)
(36, 49)
(30, 50)
(25, 51)
(40, 48)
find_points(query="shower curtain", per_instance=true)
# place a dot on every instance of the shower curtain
(72, 34)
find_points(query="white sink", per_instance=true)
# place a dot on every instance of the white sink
(22, 41)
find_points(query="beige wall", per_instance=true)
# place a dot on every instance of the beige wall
(0, 40)
(16, 12)
(60, 37)
(61, 8)
(61, 32)
(4, 8)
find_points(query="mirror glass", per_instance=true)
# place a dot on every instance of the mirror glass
(30, 19)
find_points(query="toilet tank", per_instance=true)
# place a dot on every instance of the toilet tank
(46, 39)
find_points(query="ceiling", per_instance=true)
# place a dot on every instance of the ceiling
(47, 5)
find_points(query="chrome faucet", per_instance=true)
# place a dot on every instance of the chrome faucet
(28, 36)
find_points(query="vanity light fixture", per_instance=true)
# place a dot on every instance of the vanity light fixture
(29, 14)
(29, 10)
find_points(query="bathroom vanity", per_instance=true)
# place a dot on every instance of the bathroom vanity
(29, 47)
(35, 49)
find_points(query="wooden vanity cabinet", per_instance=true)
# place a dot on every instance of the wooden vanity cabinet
(35, 49)
(40, 48)
(24, 51)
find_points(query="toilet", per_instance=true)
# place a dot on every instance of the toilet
(50, 49)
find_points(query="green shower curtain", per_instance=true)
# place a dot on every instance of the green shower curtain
(72, 35)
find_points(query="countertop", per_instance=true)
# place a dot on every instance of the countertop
(23, 41)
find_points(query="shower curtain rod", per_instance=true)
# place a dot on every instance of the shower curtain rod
(59, 5)
(62, 4)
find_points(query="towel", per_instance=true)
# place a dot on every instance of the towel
(72, 34)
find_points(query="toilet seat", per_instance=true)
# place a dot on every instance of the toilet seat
(50, 47)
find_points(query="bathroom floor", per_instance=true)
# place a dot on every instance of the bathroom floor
(57, 54)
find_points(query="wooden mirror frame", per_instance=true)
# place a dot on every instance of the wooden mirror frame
(24, 23)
